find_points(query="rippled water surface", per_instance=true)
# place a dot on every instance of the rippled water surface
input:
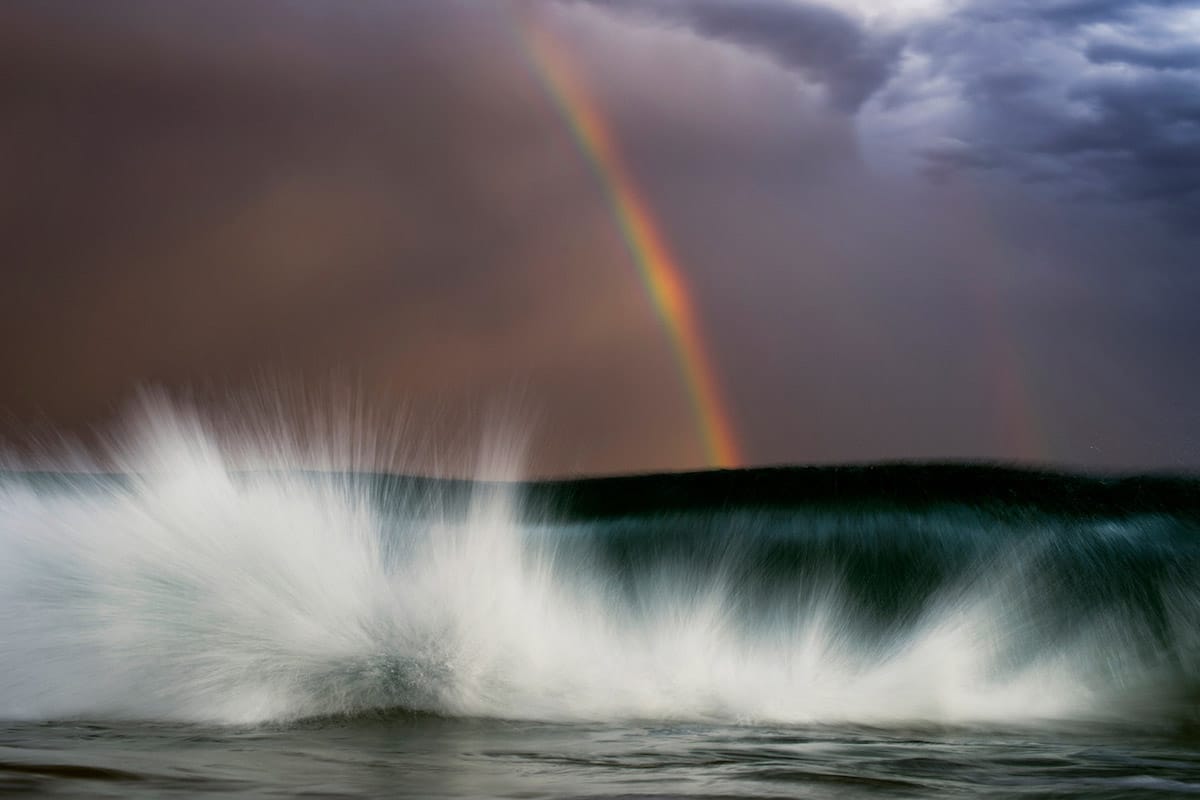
(417, 756)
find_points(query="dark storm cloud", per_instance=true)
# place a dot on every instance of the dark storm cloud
(1092, 99)
(1070, 13)
(1183, 57)
(1144, 138)
(1098, 100)
(193, 190)
(821, 43)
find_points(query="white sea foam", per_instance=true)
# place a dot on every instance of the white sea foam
(199, 594)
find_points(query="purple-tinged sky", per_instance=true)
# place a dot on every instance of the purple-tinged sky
(951, 229)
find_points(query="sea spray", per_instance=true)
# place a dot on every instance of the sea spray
(191, 590)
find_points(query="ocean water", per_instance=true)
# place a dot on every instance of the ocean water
(187, 628)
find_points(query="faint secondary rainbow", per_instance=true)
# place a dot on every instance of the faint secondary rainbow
(659, 271)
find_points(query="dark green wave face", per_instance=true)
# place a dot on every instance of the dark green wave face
(883, 596)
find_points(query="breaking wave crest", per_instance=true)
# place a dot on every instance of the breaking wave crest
(196, 592)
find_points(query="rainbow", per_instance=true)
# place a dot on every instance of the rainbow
(657, 267)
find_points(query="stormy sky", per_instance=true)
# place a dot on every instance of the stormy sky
(914, 230)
